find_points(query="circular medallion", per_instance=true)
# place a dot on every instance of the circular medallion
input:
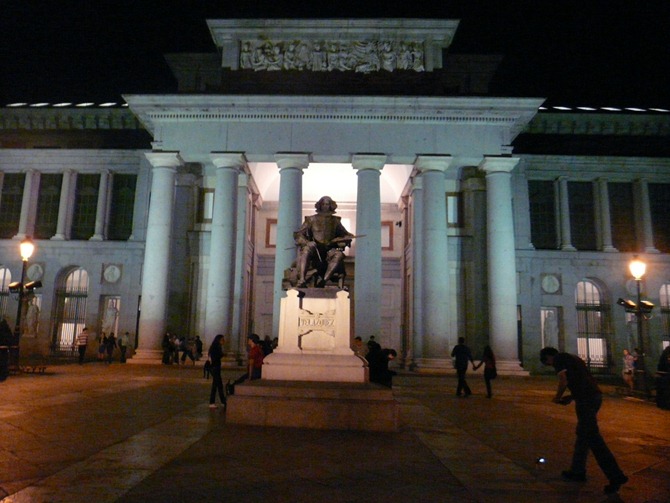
(112, 273)
(550, 283)
(35, 272)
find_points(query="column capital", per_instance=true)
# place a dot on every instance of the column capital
(497, 164)
(417, 183)
(299, 160)
(228, 159)
(164, 159)
(433, 162)
(369, 161)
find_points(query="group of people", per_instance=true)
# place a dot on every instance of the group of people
(378, 360)
(177, 348)
(107, 343)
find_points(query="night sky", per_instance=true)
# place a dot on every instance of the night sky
(596, 53)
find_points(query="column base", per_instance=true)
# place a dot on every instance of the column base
(568, 248)
(58, 237)
(651, 249)
(96, 237)
(609, 249)
(147, 357)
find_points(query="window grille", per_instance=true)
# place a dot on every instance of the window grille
(593, 326)
(5, 280)
(70, 312)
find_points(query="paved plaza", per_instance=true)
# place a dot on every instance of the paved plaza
(136, 433)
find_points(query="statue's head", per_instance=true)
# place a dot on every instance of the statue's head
(325, 205)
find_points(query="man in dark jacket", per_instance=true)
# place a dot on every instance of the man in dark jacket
(575, 376)
(462, 355)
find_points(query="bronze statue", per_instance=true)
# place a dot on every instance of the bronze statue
(321, 241)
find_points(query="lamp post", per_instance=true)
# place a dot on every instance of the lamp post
(26, 248)
(637, 269)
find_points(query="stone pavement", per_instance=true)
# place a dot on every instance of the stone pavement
(136, 433)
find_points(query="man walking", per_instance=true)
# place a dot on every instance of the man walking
(575, 376)
(82, 343)
(462, 355)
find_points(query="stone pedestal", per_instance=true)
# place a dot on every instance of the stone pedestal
(318, 405)
(314, 339)
(313, 379)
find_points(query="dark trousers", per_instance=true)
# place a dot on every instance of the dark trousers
(82, 352)
(217, 385)
(487, 381)
(123, 349)
(462, 385)
(589, 438)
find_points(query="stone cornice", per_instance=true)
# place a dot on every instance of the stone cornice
(512, 113)
(600, 124)
(50, 118)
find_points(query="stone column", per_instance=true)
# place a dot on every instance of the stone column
(221, 277)
(368, 320)
(605, 219)
(564, 212)
(239, 329)
(156, 268)
(289, 219)
(64, 207)
(501, 259)
(647, 231)
(417, 270)
(101, 210)
(27, 219)
(435, 258)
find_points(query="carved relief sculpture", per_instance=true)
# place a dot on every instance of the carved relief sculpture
(364, 56)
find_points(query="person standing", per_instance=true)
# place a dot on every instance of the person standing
(255, 364)
(462, 355)
(82, 343)
(110, 346)
(628, 369)
(214, 356)
(574, 375)
(490, 371)
(123, 346)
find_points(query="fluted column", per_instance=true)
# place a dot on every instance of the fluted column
(417, 270)
(156, 268)
(435, 257)
(27, 219)
(64, 206)
(368, 299)
(221, 277)
(645, 216)
(101, 209)
(605, 219)
(289, 219)
(564, 212)
(501, 259)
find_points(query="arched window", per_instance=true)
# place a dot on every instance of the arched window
(664, 295)
(71, 298)
(5, 280)
(592, 325)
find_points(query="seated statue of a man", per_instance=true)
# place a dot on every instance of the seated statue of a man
(321, 241)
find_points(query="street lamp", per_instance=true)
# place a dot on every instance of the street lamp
(26, 248)
(637, 269)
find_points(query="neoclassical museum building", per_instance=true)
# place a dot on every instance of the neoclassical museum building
(492, 218)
